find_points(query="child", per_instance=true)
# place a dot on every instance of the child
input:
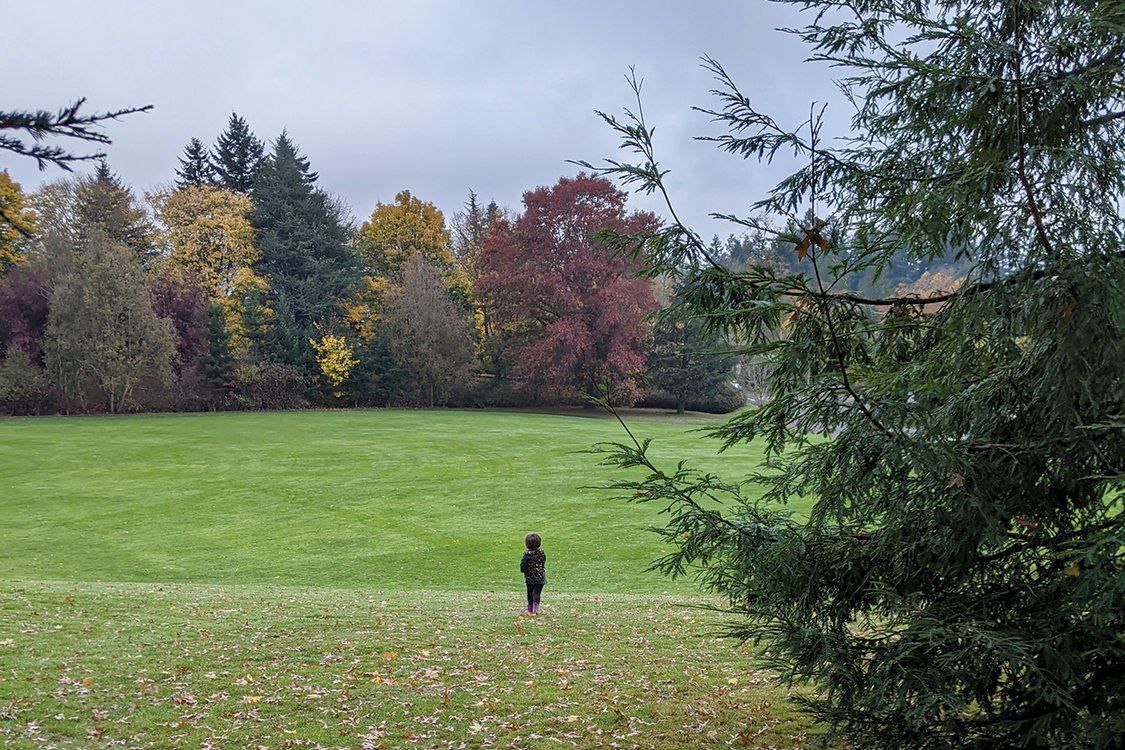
(534, 569)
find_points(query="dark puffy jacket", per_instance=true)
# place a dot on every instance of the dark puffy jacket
(534, 566)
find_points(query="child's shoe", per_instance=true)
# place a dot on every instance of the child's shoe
(535, 608)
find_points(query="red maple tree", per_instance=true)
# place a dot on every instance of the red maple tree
(573, 312)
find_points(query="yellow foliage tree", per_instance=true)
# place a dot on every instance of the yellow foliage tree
(335, 359)
(364, 308)
(208, 234)
(408, 228)
(934, 282)
(17, 223)
(386, 242)
(397, 231)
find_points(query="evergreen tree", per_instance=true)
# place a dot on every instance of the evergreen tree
(693, 364)
(958, 581)
(468, 231)
(469, 228)
(236, 157)
(104, 204)
(219, 366)
(431, 335)
(304, 253)
(492, 215)
(195, 166)
(378, 378)
(759, 249)
(285, 342)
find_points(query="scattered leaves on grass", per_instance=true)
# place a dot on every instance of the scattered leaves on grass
(145, 666)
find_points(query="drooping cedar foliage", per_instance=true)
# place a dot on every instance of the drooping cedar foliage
(959, 581)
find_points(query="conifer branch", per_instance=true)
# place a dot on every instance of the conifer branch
(643, 459)
(66, 123)
(1021, 169)
(814, 130)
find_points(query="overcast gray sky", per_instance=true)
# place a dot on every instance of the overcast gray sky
(438, 97)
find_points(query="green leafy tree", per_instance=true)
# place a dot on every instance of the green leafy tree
(21, 383)
(102, 328)
(958, 581)
(195, 166)
(236, 157)
(431, 335)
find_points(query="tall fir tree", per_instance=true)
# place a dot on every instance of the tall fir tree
(236, 156)
(219, 366)
(304, 252)
(957, 582)
(469, 228)
(693, 365)
(195, 166)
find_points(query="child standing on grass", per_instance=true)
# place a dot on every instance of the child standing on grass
(534, 569)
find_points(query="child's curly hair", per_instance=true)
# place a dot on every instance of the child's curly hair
(533, 541)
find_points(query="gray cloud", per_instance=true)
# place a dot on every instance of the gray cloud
(434, 97)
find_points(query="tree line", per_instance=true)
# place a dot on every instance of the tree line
(246, 285)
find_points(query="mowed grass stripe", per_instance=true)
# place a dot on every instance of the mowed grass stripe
(372, 499)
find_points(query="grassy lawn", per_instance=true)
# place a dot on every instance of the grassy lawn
(349, 579)
(179, 666)
(383, 499)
